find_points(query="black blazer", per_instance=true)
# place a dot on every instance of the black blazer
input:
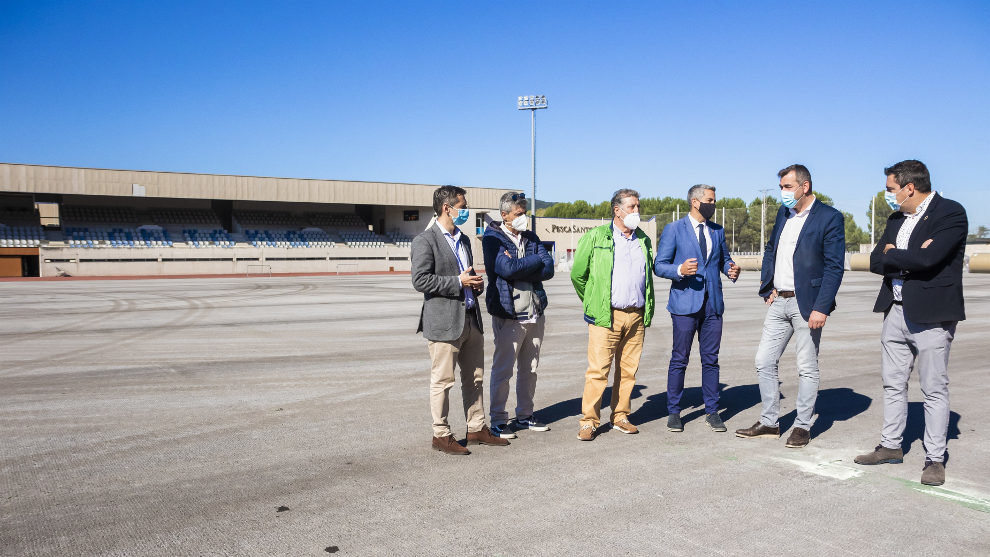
(932, 290)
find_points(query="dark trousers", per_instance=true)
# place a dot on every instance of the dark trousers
(708, 325)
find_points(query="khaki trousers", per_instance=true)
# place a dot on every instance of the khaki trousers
(468, 353)
(623, 344)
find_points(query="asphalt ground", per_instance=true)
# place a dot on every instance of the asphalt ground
(176, 417)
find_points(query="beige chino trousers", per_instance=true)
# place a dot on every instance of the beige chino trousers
(623, 344)
(468, 354)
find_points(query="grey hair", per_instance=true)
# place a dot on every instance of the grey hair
(697, 191)
(620, 195)
(506, 204)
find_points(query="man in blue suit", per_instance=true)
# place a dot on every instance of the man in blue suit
(803, 263)
(692, 253)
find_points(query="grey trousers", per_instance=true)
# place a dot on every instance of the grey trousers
(517, 346)
(783, 321)
(903, 343)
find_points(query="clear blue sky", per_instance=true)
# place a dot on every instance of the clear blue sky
(653, 95)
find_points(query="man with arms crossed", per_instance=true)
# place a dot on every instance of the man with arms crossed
(517, 264)
(611, 274)
(692, 253)
(803, 264)
(920, 256)
(443, 270)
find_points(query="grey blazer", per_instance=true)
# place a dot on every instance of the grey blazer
(434, 273)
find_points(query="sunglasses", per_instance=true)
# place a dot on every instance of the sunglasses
(518, 196)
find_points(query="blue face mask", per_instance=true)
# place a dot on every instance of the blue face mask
(462, 216)
(787, 199)
(891, 198)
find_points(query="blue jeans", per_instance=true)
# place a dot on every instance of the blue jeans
(708, 325)
(783, 321)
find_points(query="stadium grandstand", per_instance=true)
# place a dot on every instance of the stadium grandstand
(99, 222)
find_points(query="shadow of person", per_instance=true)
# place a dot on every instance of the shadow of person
(837, 405)
(572, 406)
(732, 401)
(915, 428)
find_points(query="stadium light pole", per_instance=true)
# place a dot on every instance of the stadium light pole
(532, 103)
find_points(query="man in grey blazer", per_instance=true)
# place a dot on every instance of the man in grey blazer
(443, 270)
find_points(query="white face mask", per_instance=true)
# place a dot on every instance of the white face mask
(520, 223)
(631, 220)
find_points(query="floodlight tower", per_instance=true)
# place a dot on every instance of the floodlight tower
(532, 103)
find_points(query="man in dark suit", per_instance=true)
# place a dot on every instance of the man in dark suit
(920, 257)
(443, 270)
(803, 264)
(692, 253)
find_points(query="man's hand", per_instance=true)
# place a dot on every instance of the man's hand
(889, 247)
(476, 282)
(507, 254)
(927, 243)
(816, 320)
(689, 267)
(773, 296)
(733, 271)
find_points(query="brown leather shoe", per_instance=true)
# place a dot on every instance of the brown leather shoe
(485, 437)
(758, 430)
(798, 438)
(449, 445)
(881, 455)
(933, 473)
(625, 426)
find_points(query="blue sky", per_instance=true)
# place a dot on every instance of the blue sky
(654, 95)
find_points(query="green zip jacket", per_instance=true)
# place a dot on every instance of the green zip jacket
(591, 274)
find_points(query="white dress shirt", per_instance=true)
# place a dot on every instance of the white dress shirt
(708, 240)
(454, 241)
(903, 236)
(628, 272)
(783, 270)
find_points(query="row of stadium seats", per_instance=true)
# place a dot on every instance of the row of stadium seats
(362, 239)
(21, 236)
(183, 217)
(288, 238)
(400, 239)
(78, 215)
(207, 238)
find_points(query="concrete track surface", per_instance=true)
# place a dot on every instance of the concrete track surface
(176, 417)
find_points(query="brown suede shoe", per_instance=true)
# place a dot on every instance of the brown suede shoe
(625, 426)
(799, 438)
(881, 455)
(449, 445)
(933, 473)
(587, 432)
(485, 437)
(758, 430)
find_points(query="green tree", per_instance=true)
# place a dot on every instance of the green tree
(854, 234)
(748, 236)
(880, 212)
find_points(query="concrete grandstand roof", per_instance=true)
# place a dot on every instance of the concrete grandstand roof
(29, 178)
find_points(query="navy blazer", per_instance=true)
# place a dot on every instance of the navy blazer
(678, 243)
(819, 258)
(933, 290)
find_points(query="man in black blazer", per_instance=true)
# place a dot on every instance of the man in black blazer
(920, 257)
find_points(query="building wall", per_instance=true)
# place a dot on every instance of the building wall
(27, 178)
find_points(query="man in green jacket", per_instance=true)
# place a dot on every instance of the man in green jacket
(612, 276)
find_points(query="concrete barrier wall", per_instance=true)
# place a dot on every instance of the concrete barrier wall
(979, 263)
(748, 262)
(238, 260)
(859, 262)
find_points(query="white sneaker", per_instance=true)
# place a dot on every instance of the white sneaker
(531, 423)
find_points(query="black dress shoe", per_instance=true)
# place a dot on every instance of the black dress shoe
(674, 423)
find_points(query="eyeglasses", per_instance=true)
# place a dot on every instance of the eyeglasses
(518, 196)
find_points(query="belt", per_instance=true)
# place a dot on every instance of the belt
(785, 293)
(898, 302)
